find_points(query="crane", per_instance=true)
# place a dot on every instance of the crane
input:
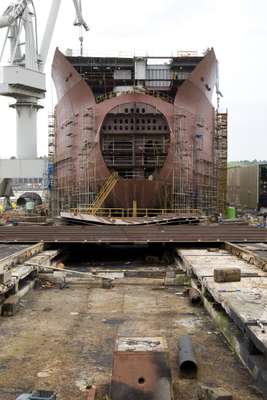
(80, 22)
(23, 77)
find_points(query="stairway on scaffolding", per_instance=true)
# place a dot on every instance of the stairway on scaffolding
(104, 193)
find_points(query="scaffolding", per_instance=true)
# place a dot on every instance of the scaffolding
(74, 162)
(135, 143)
(51, 159)
(221, 149)
(196, 177)
(87, 185)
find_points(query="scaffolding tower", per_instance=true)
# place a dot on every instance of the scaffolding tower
(67, 191)
(87, 185)
(199, 183)
(221, 148)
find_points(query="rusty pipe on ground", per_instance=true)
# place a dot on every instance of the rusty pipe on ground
(187, 361)
(194, 296)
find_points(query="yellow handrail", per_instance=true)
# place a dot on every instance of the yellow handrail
(123, 213)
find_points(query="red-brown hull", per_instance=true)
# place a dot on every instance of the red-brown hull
(192, 110)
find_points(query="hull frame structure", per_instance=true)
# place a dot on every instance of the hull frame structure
(194, 166)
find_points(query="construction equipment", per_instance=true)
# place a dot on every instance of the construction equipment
(22, 75)
(22, 78)
(38, 395)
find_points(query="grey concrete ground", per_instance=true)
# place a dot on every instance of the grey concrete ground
(9, 249)
(63, 339)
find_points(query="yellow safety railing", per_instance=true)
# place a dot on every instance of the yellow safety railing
(137, 212)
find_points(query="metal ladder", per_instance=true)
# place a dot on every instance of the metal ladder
(104, 192)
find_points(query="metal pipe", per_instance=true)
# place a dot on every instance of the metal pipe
(187, 361)
(194, 296)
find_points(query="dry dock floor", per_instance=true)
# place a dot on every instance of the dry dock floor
(63, 339)
(7, 250)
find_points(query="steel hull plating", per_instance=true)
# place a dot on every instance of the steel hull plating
(187, 177)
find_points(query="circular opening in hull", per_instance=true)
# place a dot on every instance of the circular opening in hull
(135, 139)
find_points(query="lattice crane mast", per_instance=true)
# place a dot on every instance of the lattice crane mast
(22, 77)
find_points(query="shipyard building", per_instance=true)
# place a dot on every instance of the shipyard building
(142, 132)
(247, 186)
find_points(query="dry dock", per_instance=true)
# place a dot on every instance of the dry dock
(64, 340)
(62, 337)
(239, 308)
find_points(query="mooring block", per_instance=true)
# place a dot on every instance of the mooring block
(10, 306)
(5, 277)
(209, 393)
(227, 275)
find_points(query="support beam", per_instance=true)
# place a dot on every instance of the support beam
(49, 30)
(26, 128)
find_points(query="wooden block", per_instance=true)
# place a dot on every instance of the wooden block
(209, 393)
(178, 280)
(227, 275)
(10, 306)
(5, 277)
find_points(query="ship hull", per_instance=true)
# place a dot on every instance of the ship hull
(184, 157)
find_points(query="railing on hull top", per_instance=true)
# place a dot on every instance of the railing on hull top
(138, 212)
(154, 93)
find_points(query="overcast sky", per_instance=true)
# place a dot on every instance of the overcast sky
(237, 30)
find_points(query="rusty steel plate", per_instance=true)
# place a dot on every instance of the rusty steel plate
(141, 369)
